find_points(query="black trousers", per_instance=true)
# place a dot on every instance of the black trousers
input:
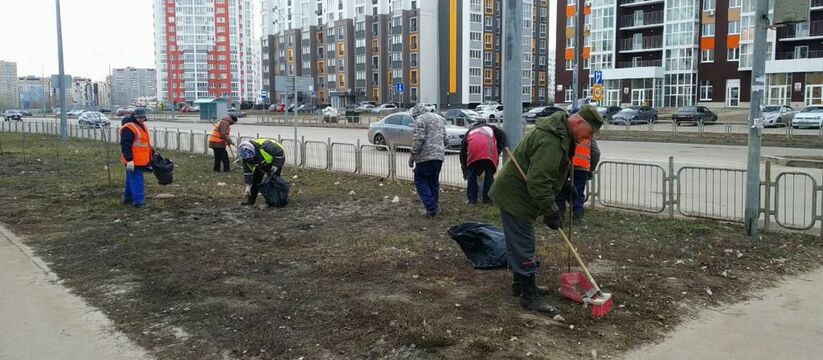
(221, 155)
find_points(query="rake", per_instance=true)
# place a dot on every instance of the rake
(576, 286)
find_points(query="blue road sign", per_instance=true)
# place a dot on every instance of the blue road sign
(598, 77)
(399, 87)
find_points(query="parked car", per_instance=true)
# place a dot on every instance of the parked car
(635, 115)
(75, 113)
(486, 104)
(430, 107)
(104, 111)
(463, 117)
(93, 119)
(531, 116)
(12, 115)
(26, 113)
(122, 112)
(330, 111)
(384, 108)
(694, 114)
(580, 102)
(811, 116)
(492, 114)
(306, 109)
(238, 113)
(777, 115)
(397, 130)
(608, 111)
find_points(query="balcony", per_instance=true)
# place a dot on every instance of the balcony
(802, 31)
(641, 44)
(641, 63)
(632, 3)
(641, 21)
(796, 61)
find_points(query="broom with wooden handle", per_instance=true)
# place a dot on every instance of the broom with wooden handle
(600, 301)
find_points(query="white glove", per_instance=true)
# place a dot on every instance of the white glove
(247, 191)
(274, 169)
(130, 166)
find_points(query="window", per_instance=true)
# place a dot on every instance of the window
(413, 59)
(413, 24)
(569, 95)
(413, 77)
(705, 90)
(413, 42)
(734, 27)
(734, 3)
(474, 90)
(708, 5)
(375, 79)
(707, 55)
(475, 72)
(708, 29)
(733, 55)
(570, 21)
(569, 64)
(474, 36)
(569, 42)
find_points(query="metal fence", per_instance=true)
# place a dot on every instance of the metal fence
(718, 131)
(790, 199)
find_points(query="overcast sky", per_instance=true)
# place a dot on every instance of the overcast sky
(96, 33)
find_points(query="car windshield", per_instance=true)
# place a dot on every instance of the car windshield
(813, 109)
(536, 110)
(771, 109)
(687, 109)
(628, 111)
(470, 113)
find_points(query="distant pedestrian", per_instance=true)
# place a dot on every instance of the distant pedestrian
(543, 155)
(220, 140)
(261, 157)
(480, 155)
(136, 153)
(585, 160)
(428, 153)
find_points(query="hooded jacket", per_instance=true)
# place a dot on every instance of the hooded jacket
(482, 142)
(429, 141)
(544, 156)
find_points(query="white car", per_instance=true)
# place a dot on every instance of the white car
(384, 108)
(330, 112)
(777, 115)
(430, 107)
(492, 114)
(486, 104)
(811, 116)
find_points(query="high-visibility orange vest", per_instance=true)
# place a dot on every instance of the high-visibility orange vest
(583, 156)
(215, 136)
(141, 148)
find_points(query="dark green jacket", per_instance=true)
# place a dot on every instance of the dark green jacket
(544, 156)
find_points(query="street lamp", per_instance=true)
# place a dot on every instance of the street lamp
(64, 125)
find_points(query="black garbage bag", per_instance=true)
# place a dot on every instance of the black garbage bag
(275, 190)
(163, 169)
(483, 244)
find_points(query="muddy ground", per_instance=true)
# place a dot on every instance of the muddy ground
(346, 273)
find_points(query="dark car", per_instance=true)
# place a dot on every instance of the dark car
(693, 114)
(104, 111)
(608, 111)
(461, 117)
(635, 115)
(306, 109)
(26, 113)
(13, 115)
(238, 113)
(531, 116)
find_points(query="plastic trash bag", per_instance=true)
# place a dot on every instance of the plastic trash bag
(163, 169)
(483, 244)
(275, 190)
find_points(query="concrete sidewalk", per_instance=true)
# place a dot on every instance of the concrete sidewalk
(785, 322)
(40, 319)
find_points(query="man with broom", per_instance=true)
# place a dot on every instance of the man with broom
(543, 156)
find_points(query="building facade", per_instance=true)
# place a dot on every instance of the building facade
(129, 84)
(8, 85)
(671, 53)
(203, 49)
(33, 92)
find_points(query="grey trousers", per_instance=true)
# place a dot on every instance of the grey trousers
(519, 243)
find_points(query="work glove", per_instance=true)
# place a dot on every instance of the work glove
(273, 170)
(554, 222)
(247, 191)
(411, 162)
(130, 166)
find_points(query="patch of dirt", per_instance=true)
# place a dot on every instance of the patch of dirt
(195, 275)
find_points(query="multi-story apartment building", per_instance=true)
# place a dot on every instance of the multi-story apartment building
(129, 84)
(203, 49)
(102, 94)
(8, 85)
(354, 50)
(670, 53)
(33, 92)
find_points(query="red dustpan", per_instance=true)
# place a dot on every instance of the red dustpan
(581, 287)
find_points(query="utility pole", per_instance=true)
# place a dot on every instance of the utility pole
(761, 24)
(294, 83)
(513, 71)
(576, 72)
(64, 125)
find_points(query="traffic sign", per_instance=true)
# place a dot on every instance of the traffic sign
(597, 93)
(399, 87)
(598, 77)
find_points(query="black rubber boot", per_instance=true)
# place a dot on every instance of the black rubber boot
(517, 290)
(530, 300)
(577, 218)
(252, 198)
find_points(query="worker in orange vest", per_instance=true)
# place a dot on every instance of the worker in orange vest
(585, 160)
(219, 140)
(136, 154)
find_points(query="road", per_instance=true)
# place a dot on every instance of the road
(714, 193)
